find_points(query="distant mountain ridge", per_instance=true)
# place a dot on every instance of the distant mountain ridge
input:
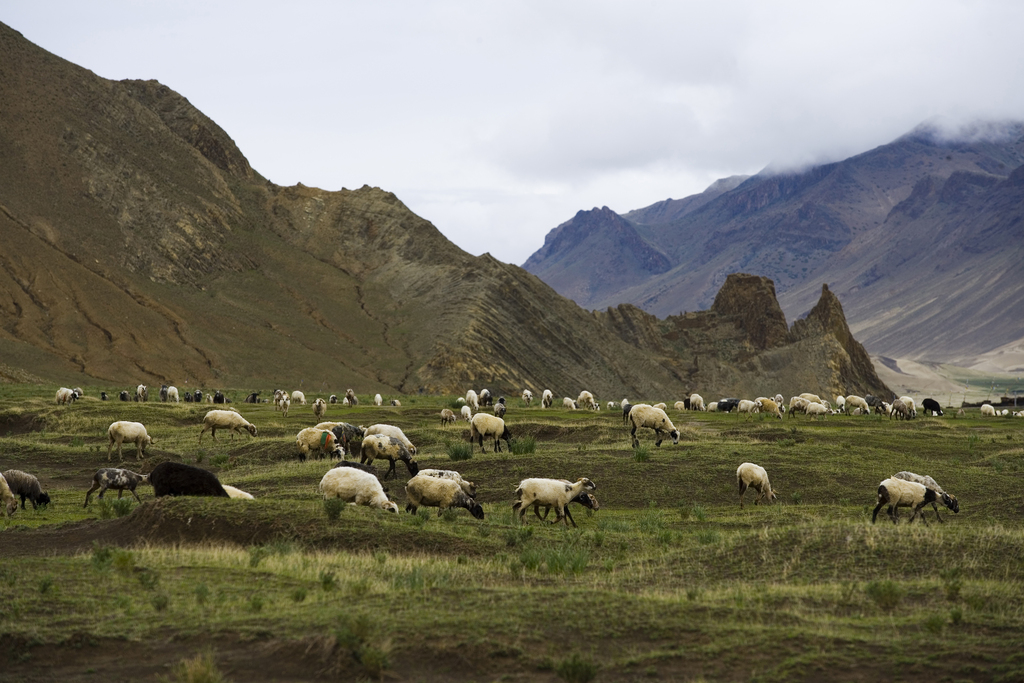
(137, 244)
(920, 238)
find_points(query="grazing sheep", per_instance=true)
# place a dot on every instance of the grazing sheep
(987, 410)
(754, 476)
(395, 403)
(713, 407)
(472, 400)
(696, 402)
(298, 397)
(797, 405)
(141, 393)
(320, 441)
(78, 393)
(769, 406)
(378, 400)
(527, 397)
(649, 417)
(488, 426)
(840, 404)
(467, 486)
(813, 398)
(900, 410)
(10, 502)
(486, 399)
(172, 394)
(346, 433)
(856, 403)
(547, 398)
(555, 493)
(253, 397)
(931, 405)
(66, 396)
(568, 403)
(897, 493)
(815, 409)
(911, 406)
(612, 405)
(333, 399)
(586, 400)
(237, 493)
(727, 405)
(467, 413)
(356, 487)
(391, 430)
(679, 405)
(440, 493)
(177, 479)
(26, 485)
(948, 500)
(319, 408)
(124, 396)
(117, 479)
(447, 417)
(225, 419)
(661, 406)
(382, 446)
(133, 432)
(746, 406)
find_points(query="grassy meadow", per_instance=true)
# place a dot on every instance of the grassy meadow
(669, 580)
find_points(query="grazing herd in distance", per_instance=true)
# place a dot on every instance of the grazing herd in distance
(358, 483)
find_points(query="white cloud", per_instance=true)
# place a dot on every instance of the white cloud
(498, 121)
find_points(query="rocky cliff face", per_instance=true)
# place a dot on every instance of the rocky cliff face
(138, 245)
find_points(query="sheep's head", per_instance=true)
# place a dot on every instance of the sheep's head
(390, 506)
(587, 500)
(251, 428)
(43, 499)
(951, 502)
(587, 484)
(475, 509)
(675, 436)
(12, 507)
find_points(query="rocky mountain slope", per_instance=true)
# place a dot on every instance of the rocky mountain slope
(920, 238)
(139, 245)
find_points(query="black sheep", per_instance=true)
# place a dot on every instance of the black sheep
(218, 397)
(727, 405)
(932, 405)
(26, 486)
(176, 479)
(123, 395)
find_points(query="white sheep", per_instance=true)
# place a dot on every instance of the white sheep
(466, 485)
(141, 393)
(746, 406)
(612, 405)
(319, 408)
(987, 410)
(350, 396)
(586, 400)
(356, 487)
(333, 399)
(527, 397)
(696, 402)
(472, 400)
(382, 446)
(225, 419)
(66, 396)
(856, 403)
(132, 432)
(285, 405)
(172, 394)
(237, 493)
(813, 398)
(754, 476)
(279, 395)
(568, 403)
(643, 415)
(440, 493)
(778, 399)
(318, 440)
(841, 404)
(298, 397)
(661, 406)
(396, 403)
(547, 398)
(797, 404)
(10, 503)
(554, 493)
(377, 400)
(712, 407)
(447, 417)
(391, 430)
(911, 405)
(467, 413)
(948, 500)
(897, 493)
(680, 406)
(484, 426)
(815, 409)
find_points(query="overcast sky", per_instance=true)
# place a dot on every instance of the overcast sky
(497, 121)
